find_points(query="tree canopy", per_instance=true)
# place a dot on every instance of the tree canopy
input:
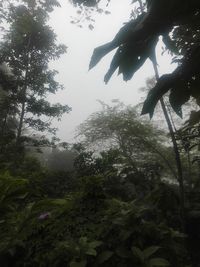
(140, 144)
(27, 46)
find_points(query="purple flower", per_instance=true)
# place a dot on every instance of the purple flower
(44, 216)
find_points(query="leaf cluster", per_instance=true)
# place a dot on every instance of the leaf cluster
(178, 23)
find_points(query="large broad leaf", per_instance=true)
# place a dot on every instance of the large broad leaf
(134, 47)
(179, 95)
(170, 44)
(162, 86)
(194, 118)
(137, 39)
(141, 30)
(124, 35)
(180, 83)
(130, 57)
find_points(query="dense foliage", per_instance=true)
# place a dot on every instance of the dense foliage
(88, 227)
(27, 46)
(101, 212)
(113, 199)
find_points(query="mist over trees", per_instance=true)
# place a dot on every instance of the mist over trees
(127, 192)
(27, 47)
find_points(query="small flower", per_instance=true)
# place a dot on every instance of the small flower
(44, 215)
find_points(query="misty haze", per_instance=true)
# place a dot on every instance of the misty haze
(100, 133)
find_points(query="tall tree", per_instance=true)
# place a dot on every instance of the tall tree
(119, 127)
(28, 46)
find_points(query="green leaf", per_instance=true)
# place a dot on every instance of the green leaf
(138, 253)
(83, 240)
(194, 117)
(170, 44)
(104, 256)
(158, 262)
(124, 35)
(91, 252)
(150, 251)
(95, 244)
(155, 94)
(179, 95)
(59, 202)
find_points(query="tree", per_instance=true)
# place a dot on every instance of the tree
(27, 47)
(136, 41)
(119, 127)
(7, 110)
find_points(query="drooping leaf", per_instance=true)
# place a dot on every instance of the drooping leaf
(179, 95)
(162, 86)
(194, 117)
(124, 35)
(170, 44)
(130, 57)
(136, 41)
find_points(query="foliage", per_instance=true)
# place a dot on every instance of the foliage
(116, 206)
(139, 144)
(87, 228)
(27, 47)
(58, 159)
(136, 41)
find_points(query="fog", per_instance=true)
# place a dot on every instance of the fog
(83, 88)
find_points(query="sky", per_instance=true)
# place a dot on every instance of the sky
(83, 88)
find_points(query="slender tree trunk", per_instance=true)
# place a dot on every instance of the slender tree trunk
(175, 146)
(21, 120)
(189, 168)
(24, 91)
(176, 152)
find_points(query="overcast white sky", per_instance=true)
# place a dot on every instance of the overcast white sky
(83, 88)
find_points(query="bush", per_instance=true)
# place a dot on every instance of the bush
(86, 228)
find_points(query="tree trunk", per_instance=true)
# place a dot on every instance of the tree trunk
(24, 91)
(21, 120)
(176, 152)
